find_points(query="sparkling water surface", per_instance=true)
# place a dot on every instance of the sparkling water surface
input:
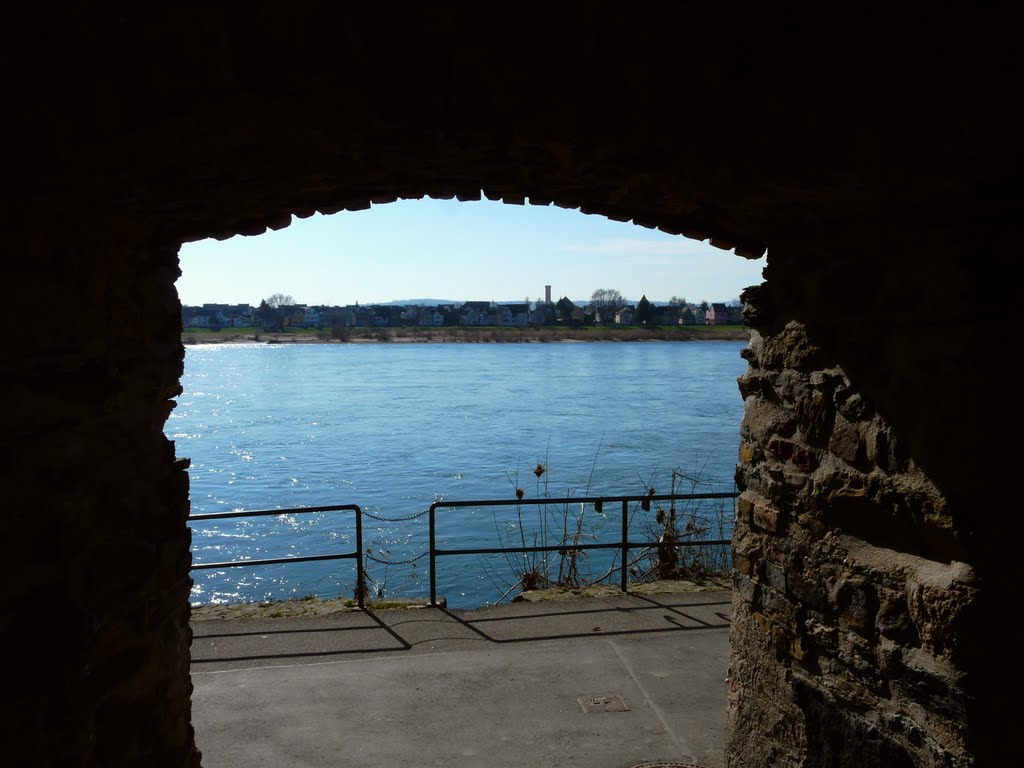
(396, 427)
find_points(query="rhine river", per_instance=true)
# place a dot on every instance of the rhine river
(396, 427)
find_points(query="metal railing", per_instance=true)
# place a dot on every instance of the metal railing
(624, 544)
(356, 555)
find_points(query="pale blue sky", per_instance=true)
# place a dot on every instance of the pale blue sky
(444, 249)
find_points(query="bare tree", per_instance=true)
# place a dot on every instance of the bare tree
(276, 300)
(270, 310)
(607, 301)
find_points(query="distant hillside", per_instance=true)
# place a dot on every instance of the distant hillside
(435, 302)
(460, 302)
(418, 302)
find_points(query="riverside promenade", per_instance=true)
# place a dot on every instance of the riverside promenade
(602, 682)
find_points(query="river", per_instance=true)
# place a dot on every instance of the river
(396, 427)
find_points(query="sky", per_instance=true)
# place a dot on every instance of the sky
(453, 251)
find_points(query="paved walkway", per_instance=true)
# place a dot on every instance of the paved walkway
(608, 682)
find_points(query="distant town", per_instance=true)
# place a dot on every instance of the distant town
(605, 307)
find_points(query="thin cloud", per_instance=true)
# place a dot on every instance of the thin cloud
(630, 246)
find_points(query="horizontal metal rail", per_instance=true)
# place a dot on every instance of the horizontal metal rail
(624, 544)
(357, 555)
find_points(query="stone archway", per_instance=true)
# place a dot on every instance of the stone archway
(871, 561)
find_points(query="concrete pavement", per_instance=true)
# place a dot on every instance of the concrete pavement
(609, 682)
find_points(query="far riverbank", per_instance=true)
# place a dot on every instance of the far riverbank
(464, 334)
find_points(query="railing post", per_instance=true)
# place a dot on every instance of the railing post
(433, 565)
(360, 573)
(625, 545)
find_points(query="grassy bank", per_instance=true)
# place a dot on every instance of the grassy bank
(466, 334)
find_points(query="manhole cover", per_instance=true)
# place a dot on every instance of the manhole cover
(611, 702)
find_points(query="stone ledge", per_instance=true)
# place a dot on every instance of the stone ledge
(710, 584)
(306, 606)
(315, 606)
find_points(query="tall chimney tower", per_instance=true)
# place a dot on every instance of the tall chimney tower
(547, 294)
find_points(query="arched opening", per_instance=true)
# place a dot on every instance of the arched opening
(663, 426)
(629, 413)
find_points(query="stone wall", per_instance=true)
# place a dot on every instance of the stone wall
(848, 606)
(95, 608)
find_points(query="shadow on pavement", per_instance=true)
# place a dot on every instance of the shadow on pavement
(627, 619)
(304, 632)
(347, 634)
